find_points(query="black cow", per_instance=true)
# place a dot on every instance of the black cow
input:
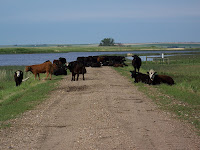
(136, 62)
(59, 67)
(76, 67)
(18, 76)
(63, 60)
(140, 77)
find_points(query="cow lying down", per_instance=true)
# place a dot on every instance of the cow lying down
(140, 77)
(158, 79)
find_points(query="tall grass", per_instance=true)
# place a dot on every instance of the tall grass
(183, 98)
(16, 100)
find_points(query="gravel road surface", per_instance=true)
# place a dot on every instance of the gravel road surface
(104, 112)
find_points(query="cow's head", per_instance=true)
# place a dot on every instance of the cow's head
(67, 64)
(152, 74)
(133, 74)
(18, 73)
(28, 68)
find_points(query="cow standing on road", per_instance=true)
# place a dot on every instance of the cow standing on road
(76, 67)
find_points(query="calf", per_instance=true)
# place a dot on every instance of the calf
(76, 67)
(45, 67)
(136, 62)
(18, 76)
(158, 79)
(140, 77)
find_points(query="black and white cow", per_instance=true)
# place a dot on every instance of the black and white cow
(18, 76)
(158, 79)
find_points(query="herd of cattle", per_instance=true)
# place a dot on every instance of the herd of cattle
(60, 66)
(151, 77)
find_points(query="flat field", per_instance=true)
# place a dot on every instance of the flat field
(16, 100)
(95, 48)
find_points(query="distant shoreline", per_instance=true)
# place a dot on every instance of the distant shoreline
(92, 48)
(96, 44)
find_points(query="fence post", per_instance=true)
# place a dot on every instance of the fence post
(146, 59)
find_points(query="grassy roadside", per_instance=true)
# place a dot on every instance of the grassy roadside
(16, 100)
(181, 99)
(31, 50)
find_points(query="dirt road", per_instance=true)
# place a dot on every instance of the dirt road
(103, 112)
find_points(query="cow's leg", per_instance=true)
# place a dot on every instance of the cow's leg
(50, 76)
(83, 77)
(77, 76)
(73, 76)
(35, 76)
(135, 69)
(138, 70)
(47, 75)
(39, 76)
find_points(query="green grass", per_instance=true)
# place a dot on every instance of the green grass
(183, 98)
(16, 100)
(29, 50)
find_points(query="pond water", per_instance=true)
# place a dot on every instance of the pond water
(150, 58)
(31, 59)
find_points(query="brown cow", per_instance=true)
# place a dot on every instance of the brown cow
(46, 67)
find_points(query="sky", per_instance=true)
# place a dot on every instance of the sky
(90, 21)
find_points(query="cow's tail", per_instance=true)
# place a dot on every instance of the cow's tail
(25, 79)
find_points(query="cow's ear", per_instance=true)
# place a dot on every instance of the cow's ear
(155, 73)
(147, 72)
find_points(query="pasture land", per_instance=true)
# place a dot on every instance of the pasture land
(183, 98)
(16, 100)
(31, 50)
(105, 111)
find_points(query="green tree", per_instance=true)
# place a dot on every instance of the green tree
(107, 42)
